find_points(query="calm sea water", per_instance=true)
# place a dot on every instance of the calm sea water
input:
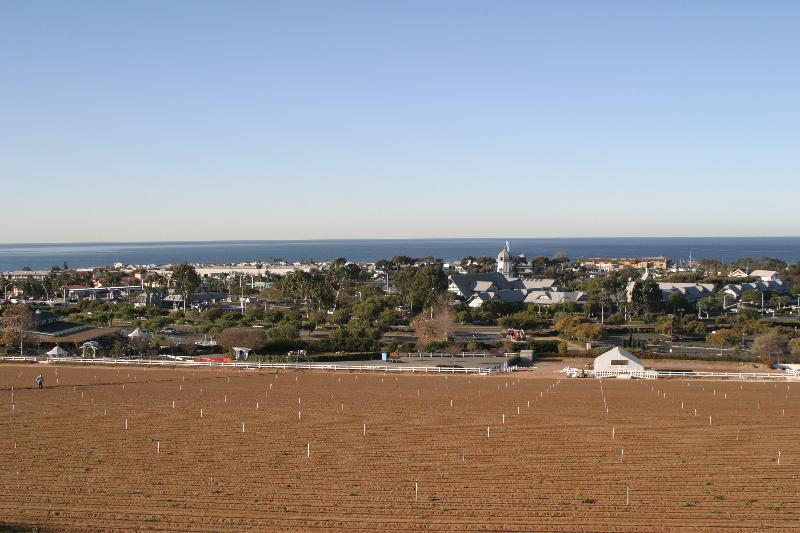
(43, 256)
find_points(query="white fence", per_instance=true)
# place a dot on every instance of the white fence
(422, 355)
(732, 375)
(646, 374)
(653, 374)
(286, 366)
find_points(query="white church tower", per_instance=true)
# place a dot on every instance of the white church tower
(504, 261)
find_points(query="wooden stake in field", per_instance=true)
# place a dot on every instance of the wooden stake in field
(173, 404)
(308, 449)
(504, 418)
(779, 457)
(487, 432)
(365, 429)
(298, 415)
(627, 495)
(622, 454)
(126, 424)
(158, 446)
(201, 413)
(416, 491)
(613, 432)
(242, 427)
(709, 420)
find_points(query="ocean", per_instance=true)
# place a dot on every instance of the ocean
(44, 256)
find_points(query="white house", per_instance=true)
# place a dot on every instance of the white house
(738, 273)
(617, 361)
(765, 275)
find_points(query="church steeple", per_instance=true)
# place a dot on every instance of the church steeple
(504, 261)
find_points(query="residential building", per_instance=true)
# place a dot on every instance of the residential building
(765, 275)
(691, 291)
(735, 290)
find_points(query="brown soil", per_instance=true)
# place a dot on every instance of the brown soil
(68, 464)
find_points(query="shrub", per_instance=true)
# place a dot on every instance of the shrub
(245, 337)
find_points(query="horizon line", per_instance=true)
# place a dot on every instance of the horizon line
(367, 239)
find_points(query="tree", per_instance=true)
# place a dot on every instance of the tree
(420, 286)
(646, 296)
(590, 332)
(794, 346)
(339, 274)
(605, 290)
(478, 264)
(723, 338)
(186, 280)
(709, 304)
(245, 337)
(668, 325)
(18, 321)
(437, 328)
(768, 347)
(109, 278)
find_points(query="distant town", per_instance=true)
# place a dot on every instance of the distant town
(498, 307)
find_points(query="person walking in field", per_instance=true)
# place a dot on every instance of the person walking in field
(39, 382)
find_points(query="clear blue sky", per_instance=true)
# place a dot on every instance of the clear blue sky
(335, 119)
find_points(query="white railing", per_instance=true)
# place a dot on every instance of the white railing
(653, 374)
(736, 375)
(646, 374)
(18, 358)
(445, 354)
(283, 366)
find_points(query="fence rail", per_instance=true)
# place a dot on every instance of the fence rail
(738, 375)
(282, 366)
(653, 374)
(445, 354)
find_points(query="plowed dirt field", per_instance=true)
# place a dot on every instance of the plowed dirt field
(301, 451)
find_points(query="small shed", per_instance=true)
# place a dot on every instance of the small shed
(241, 353)
(58, 351)
(617, 361)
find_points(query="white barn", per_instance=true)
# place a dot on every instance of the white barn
(617, 361)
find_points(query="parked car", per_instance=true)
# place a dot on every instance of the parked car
(168, 331)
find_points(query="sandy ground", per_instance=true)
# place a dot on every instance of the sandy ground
(368, 452)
